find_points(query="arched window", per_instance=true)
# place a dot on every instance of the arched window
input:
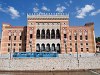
(43, 34)
(38, 34)
(70, 37)
(75, 35)
(58, 48)
(48, 47)
(81, 37)
(86, 37)
(52, 34)
(43, 47)
(48, 34)
(38, 47)
(57, 34)
(53, 47)
(75, 47)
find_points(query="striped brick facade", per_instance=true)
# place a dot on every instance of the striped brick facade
(57, 36)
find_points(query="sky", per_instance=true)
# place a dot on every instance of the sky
(80, 12)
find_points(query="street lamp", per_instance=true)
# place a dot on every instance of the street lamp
(65, 39)
(65, 48)
(30, 42)
(11, 45)
(76, 48)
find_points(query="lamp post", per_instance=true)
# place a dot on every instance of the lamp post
(76, 48)
(65, 48)
(30, 45)
(65, 39)
(11, 46)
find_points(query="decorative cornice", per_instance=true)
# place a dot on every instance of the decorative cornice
(43, 14)
(47, 16)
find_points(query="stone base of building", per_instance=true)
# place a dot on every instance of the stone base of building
(77, 55)
(50, 64)
(60, 55)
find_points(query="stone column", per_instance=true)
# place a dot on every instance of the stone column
(45, 33)
(55, 34)
(40, 33)
(50, 33)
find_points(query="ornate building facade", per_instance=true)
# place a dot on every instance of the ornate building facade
(48, 33)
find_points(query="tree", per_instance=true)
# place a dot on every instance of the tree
(97, 39)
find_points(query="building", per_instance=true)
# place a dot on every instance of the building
(0, 44)
(48, 33)
(98, 47)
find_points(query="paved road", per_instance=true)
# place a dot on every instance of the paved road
(48, 73)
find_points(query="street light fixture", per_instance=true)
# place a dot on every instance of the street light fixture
(65, 39)
(11, 46)
(30, 42)
(76, 47)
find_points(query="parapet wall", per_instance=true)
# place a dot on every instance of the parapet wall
(50, 64)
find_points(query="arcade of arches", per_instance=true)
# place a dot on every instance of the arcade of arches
(48, 48)
(47, 34)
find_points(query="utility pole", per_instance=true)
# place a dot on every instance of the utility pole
(11, 48)
(77, 49)
(30, 42)
(31, 46)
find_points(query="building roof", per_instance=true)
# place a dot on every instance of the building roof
(98, 43)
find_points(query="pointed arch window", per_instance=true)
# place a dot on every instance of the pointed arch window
(53, 47)
(38, 34)
(52, 34)
(58, 48)
(38, 47)
(48, 34)
(57, 34)
(48, 47)
(43, 34)
(43, 47)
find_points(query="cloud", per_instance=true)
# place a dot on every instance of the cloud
(35, 9)
(81, 13)
(44, 8)
(67, 4)
(11, 11)
(37, 4)
(2, 10)
(60, 9)
(95, 13)
(58, 5)
(70, 2)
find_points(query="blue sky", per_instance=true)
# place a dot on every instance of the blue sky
(81, 11)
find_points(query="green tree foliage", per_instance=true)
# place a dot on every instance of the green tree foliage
(97, 39)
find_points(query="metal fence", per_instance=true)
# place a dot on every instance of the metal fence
(34, 54)
(47, 54)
